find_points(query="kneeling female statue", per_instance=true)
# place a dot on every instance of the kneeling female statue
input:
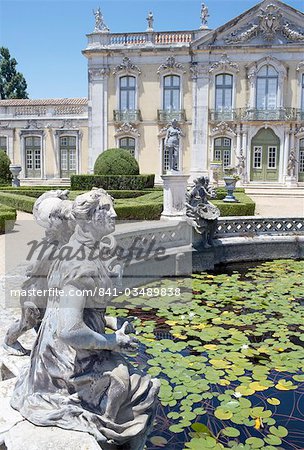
(78, 378)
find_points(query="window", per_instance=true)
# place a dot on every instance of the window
(223, 91)
(128, 143)
(171, 100)
(165, 156)
(267, 88)
(222, 151)
(257, 157)
(301, 156)
(33, 156)
(67, 156)
(3, 143)
(127, 88)
(272, 156)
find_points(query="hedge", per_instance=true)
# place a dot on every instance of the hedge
(244, 207)
(112, 182)
(116, 161)
(222, 192)
(36, 193)
(7, 214)
(21, 202)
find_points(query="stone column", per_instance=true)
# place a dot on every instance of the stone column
(246, 153)
(200, 121)
(98, 113)
(175, 187)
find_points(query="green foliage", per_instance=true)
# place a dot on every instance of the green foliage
(110, 182)
(245, 206)
(12, 83)
(234, 344)
(20, 202)
(7, 218)
(5, 173)
(116, 161)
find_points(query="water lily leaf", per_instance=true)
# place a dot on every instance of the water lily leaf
(201, 428)
(285, 385)
(231, 432)
(273, 401)
(255, 442)
(159, 441)
(279, 431)
(223, 414)
(273, 440)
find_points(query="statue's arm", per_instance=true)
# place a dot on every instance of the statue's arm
(74, 332)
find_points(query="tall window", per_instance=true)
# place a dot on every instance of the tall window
(301, 158)
(128, 143)
(3, 143)
(222, 150)
(127, 88)
(171, 100)
(33, 156)
(267, 88)
(165, 157)
(223, 91)
(67, 156)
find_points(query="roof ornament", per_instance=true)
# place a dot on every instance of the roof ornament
(204, 16)
(150, 20)
(100, 26)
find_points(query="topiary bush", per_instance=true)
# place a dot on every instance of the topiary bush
(116, 161)
(112, 182)
(5, 173)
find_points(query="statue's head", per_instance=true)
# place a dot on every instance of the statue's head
(174, 123)
(94, 210)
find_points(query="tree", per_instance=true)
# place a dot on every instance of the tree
(12, 83)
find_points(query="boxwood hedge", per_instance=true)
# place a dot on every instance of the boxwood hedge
(7, 218)
(112, 182)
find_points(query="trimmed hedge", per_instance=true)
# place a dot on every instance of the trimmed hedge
(245, 206)
(21, 202)
(116, 161)
(7, 214)
(5, 173)
(112, 182)
(221, 192)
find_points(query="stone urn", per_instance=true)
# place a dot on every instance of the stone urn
(15, 170)
(230, 183)
(216, 167)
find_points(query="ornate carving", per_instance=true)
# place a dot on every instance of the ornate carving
(163, 131)
(69, 124)
(97, 73)
(224, 64)
(33, 124)
(292, 35)
(223, 128)
(299, 131)
(170, 65)
(197, 70)
(300, 66)
(4, 125)
(127, 128)
(270, 23)
(126, 66)
(100, 26)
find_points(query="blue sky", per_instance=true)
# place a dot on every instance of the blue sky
(46, 37)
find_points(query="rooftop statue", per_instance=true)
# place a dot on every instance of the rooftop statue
(99, 22)
(78, 377)
(204, 16)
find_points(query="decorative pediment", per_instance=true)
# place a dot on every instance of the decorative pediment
(127, 129)
(33, 124)
(254, 68)
(224, 64)
(127, 67)
(171, 65)
(268, 25)
(223, 128)
(4, 125)
(300, 66)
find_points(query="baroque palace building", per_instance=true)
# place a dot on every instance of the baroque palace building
(235, 90)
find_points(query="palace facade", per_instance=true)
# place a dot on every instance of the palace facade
(237, 90)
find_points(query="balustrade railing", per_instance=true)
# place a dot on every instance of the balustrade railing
(253, 114)
(134, 39)
(131, 116)
(252, 226)
(165, 116)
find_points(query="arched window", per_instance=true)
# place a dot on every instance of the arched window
(223, 91)
(128, 143)
(127, 89)
(67, 147)
(171, 93)
(267, 88)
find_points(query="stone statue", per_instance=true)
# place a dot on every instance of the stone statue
(58, 231)
(204, 16)
(99, 22)
(201, 213)
(241, 166)
(150, 20)
(172, 143)
(291, 164)
(78, 378)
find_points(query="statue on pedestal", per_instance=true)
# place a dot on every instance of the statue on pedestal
(172, 144)
(201, 213)
(99, 22)
(78, 378)
(241, 166)
(204, 16)
(291, 164)
(150, 20)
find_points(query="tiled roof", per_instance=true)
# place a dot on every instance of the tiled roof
(44, 102)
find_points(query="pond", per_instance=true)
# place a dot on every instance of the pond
(230, 357)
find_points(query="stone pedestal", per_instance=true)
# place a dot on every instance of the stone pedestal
(175, 187)
(291, 181)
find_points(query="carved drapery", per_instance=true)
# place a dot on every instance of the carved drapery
(127, 67)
